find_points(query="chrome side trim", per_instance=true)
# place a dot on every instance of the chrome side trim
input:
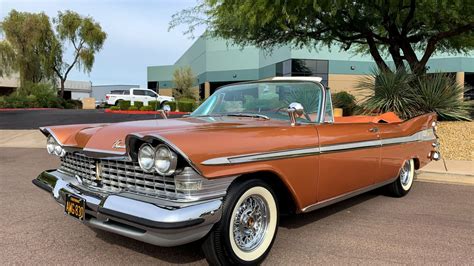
(424, 135)
(350, 146)
(348, 195)
(262, 156)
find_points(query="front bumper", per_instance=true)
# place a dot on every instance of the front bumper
(144, 219)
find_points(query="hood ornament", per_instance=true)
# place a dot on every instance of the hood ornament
(118, 144)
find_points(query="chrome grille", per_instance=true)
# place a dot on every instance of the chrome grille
(116, 176)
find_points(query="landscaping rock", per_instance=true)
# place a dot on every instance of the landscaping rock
(457, 140)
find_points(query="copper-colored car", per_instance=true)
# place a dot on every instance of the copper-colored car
(225, 173)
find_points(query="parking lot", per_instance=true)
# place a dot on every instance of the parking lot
(32, 119)
(432, 225)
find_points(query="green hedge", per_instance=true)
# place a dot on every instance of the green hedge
(172, 105)
(114, 108)
(138, 104)
(124, 105)
(146, 108)
(133, 108)
(186, 105)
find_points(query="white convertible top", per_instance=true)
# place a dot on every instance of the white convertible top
(314, 79)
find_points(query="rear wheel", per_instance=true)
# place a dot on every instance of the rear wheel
(247, 228)
(402, 185)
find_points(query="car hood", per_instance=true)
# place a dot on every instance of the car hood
(199, 139)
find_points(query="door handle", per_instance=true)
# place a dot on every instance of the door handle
(374, 129)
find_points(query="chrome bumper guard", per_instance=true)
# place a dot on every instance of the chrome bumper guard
(132, 217)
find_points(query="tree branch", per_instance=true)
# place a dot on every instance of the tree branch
(409, 17)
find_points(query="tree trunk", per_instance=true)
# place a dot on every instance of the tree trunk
(376, 55)
(394, 51)
(62, 88)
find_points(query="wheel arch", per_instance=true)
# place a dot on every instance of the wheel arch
(282, 190)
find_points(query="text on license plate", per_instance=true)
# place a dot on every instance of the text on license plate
(76, 207)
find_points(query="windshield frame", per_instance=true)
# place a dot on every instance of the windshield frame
(321, 118)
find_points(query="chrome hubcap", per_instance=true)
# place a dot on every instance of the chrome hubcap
(250, 223)
(405, 173)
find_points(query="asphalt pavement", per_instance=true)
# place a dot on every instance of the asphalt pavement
(32, 119)
(433, 224)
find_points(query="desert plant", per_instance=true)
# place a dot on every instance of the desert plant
(389, 92)
(124, 105)
(305, 96)
(408, 95)
(344, 100)
(441, 93)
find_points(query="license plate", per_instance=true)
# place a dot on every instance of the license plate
(75, 207)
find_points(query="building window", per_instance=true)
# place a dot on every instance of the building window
(153, 85)
(304, 67)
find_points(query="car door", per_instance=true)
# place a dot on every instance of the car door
(138, 95)
(150, 96)
(349, 159)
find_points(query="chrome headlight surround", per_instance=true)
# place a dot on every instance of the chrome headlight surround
(146, 157)
(165, 160)
(54, 148)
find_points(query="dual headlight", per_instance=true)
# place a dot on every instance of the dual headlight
(54, 148)
(159, 158)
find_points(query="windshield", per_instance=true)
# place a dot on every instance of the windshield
(264, 99)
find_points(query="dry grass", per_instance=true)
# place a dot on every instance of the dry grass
(457, 140)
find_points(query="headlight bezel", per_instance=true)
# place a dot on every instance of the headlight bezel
(140, 154)
(172, 160)
(53, 147)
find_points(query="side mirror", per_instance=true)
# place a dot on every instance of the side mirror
(165, 111)
(295, 110)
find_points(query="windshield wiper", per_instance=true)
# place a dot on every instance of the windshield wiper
(249, 115)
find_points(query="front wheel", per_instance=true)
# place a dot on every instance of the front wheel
(247, 228)
(402, 185)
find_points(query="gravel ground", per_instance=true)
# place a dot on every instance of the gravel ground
(457, 140)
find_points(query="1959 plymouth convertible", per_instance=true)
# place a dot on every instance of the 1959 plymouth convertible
(225, 173)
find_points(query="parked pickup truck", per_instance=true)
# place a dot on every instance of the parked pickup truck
(136, 95)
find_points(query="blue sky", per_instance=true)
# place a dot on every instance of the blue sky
(137, 34)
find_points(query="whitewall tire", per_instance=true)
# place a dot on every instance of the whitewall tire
(248, 225)
(403, 184)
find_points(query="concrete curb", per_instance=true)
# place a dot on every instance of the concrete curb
(445, 178)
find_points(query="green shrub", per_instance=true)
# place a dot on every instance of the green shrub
(73, 104)
(30, 101)
(114, 108)
(153, 105)
(186, 105)
(138, 104)
(346, 101)
(146, 108)
(172, 106)
(408, 95)
(132, 108)
(3, 103)
(124, 105)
